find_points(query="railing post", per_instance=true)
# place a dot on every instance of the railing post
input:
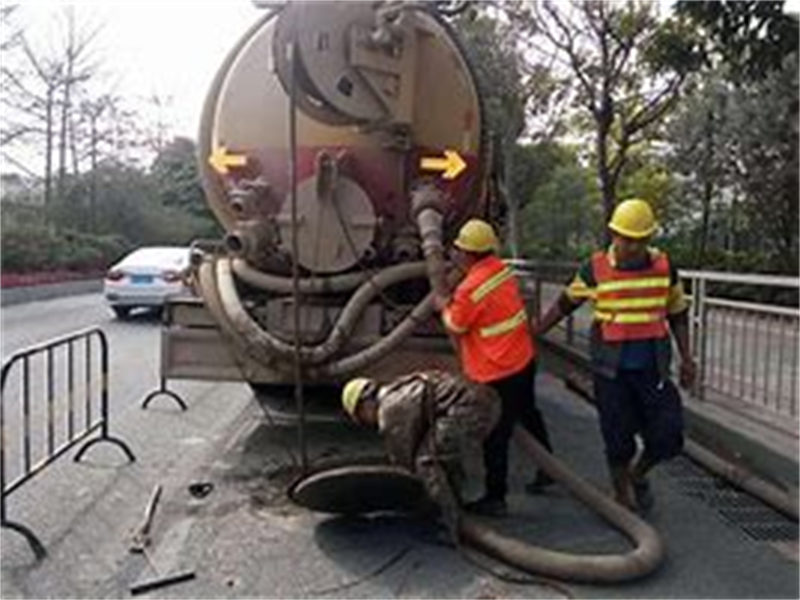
(702, 337)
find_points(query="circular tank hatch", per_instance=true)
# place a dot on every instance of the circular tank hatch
(333, 231)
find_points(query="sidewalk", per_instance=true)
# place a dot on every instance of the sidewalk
(18, 295)
(245, 539)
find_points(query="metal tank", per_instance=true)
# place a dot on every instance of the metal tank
(341, 147)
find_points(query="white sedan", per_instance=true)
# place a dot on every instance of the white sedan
(145, 278)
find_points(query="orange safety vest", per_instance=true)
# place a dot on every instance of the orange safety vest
(631, 305)
(488, 315)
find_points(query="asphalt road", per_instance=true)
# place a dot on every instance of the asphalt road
(246, 539)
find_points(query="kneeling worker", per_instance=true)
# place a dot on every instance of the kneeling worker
(432, 422)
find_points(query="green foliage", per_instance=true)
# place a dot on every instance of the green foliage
(175, 176)
(37, 247)
(559, 219)
(750, 37)
(108, 211)
(648, 177)
(498, 72)
(734, 150)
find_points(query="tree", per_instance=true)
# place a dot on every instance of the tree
(38, 87)
(559, 216)
(628, 68)
(750, 37)
(730, 139)
(177, 181)
(512, 92)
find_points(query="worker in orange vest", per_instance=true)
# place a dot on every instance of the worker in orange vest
(486, 317)
(638, 300)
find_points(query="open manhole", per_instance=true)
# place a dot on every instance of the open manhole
(357, 489)
(756, 519)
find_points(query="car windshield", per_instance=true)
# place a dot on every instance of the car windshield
(164, 257)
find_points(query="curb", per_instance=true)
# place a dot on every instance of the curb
(32, 293)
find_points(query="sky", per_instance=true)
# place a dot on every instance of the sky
(170, 48)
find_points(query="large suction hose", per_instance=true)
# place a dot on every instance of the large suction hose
(208, 288)
(778, 498)
(646, 556)
(248, 328)
(589, 568)
(283, 285)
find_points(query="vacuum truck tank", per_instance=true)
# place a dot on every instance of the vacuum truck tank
(344, 140)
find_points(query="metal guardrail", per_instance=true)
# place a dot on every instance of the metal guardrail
(747, 352)
(76, 431)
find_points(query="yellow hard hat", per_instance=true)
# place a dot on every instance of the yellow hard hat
(476, 236)
(634, 219)
(351, 393)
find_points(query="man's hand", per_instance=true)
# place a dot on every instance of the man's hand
(440, 301)
(688, 373)
(534, 327)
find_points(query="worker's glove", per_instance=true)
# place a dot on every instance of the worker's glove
(688, 372)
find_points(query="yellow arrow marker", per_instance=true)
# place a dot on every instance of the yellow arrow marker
(221, 160)
(452, 164)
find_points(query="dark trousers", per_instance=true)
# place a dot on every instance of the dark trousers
(639, 402)
(519, 405)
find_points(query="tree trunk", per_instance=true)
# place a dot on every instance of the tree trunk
(48, 156)
(93, 180)
(604, 175)
(512, 202)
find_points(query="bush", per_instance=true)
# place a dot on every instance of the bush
(33, 247)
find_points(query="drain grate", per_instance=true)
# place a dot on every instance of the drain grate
(757, 520)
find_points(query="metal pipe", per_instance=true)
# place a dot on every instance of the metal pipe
(250, 239)
(646, 556)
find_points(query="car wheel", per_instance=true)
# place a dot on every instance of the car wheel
(122, 312)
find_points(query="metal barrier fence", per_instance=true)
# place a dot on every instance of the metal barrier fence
(747, 352)
(76, 427)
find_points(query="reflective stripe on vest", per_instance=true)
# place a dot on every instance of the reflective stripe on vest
(632, 284)
(505, 325)
(631, 305)
(491, 284)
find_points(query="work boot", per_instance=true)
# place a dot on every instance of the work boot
(623, 487)
(537, 486)
(644, 495)
(487, 507)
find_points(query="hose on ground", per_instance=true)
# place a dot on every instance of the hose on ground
(777, 498)
(606, 568)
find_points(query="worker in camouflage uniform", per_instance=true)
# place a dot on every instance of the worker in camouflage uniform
(433, 424)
